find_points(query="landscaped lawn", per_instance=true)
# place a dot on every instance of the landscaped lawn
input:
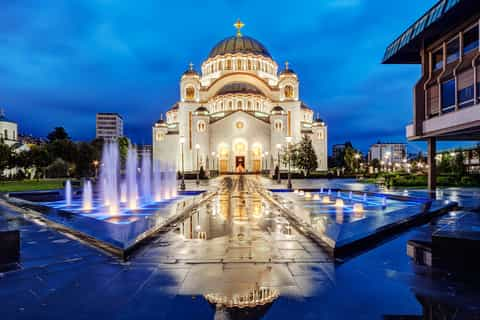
(26, 185)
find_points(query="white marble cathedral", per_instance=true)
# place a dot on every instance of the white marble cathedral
(238, 114)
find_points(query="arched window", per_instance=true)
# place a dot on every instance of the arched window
(220, 67)
(230, 105)
(278, 125)
(288, 90)
(239, 64)
(189, 93)
(201, 126)
(239, 105)
(229, 65)
(249, 64)
(249, 105)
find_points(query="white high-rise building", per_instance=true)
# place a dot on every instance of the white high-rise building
(389, 153)
(238, 114)
(109, 126)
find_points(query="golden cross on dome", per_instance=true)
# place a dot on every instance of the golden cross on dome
(239, 25)
(191, 66)
(286, 65)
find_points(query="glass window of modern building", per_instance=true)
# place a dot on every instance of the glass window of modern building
(470, 39)
(448, 95)
(453, 50)
(437, 59)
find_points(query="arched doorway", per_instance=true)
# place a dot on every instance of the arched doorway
(240, 148)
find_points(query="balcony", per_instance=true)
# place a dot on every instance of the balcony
(453, 121)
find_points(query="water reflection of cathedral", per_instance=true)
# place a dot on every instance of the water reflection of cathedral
(237, 113)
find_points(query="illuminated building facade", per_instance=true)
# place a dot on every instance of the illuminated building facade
(237, 113)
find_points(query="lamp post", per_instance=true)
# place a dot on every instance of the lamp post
(289, 141)
(197, 147)
(182, 184)
(95, 165)
(279, 179)
(213, 160)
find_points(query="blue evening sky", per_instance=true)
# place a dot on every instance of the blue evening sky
(63, 61)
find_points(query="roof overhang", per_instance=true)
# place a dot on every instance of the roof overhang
(441, 18)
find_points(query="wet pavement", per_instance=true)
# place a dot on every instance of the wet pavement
(236, 248)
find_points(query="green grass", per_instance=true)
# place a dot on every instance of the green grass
(30, 185)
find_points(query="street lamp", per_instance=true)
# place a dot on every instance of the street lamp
(197, 147)
(95, 165)
(279, 179)
(289, 141)
(182, 184)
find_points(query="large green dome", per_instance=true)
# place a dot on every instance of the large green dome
(239, 44)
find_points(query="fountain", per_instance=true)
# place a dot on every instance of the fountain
(358, 208)
(329, 191)
(131, 178)
(350, 195)
(364, 197)
(339, 194)
(109, 176)
(87, 196)
(156, 181)
(146, 177)
(321, 190)
(68, 193)
(123, 192)
(339, 203)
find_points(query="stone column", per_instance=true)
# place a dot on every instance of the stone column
(432, 165)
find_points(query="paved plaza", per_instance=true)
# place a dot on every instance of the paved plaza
(250, 246)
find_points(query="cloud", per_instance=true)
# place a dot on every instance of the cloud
(71, 59)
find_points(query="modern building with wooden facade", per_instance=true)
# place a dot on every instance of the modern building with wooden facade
(445, 41)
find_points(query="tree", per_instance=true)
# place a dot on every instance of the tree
(349, 157)
(303, 156)
(84, 160)
(5, 157)
(123, 144)
(63, 149)
(40, 159)
(58, 133)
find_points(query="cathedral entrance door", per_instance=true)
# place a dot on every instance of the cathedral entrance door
(240, 164)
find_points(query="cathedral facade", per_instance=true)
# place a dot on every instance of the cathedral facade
(238, 114)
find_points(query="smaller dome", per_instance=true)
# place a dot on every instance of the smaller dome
(287, 70)
(318, 121)
(201, 111)
(190, 71)
(278, 110)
